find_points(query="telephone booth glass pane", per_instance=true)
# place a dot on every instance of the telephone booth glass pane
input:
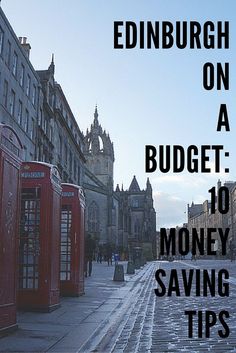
(29, 238)
(66, 214)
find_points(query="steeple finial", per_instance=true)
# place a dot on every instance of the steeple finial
(117, 188)
(148, 186)
(96, 115)
(134, 187)
(52, 65)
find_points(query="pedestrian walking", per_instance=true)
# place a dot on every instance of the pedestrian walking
(109, 254)
(89, 254)
(99, 254)
(116, 258)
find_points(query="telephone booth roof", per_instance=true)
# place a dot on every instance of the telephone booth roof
(72, 186)
(10, 141)
(64, 185)
(41, 170)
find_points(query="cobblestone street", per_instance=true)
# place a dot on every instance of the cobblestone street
(154, 324)
(170, 323)
(126, 317)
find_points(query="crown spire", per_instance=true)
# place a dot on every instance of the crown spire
(96, 115)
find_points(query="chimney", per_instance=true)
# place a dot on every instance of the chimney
(25, 45)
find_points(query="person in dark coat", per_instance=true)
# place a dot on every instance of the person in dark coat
(89, 254)
(109, 254)
(99, 255)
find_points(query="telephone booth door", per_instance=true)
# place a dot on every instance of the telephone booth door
(10, 161)
(39, 255)
(72, 241)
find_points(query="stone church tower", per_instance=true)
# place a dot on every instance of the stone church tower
(124, 219)
(99, 153)
(101, 218)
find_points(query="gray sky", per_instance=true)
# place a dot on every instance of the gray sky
(144, 96)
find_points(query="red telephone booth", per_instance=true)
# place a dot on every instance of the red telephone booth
(72, 240)
(39, 254)
(10, 161)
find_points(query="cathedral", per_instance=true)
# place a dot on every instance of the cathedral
(123, 218)
(101, 200)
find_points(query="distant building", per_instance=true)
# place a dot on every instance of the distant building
(137, 218)
(231, 219)
(200, 216)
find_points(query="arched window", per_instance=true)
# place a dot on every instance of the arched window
(101, 145)
(93, 217)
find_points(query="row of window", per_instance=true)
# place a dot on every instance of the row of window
(45, 125)
(74, 166)
(29, 239)
(66, 218)
(18, 70)
(16, 110)
(65, 153)
(73, 130)
(69, 123)
(93, 217)
(67, 156)
(22, 115)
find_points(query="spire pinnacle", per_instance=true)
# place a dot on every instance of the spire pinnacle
(148, 185)
(134, 187)
(117, 188)
(96, 115)
(52, 65)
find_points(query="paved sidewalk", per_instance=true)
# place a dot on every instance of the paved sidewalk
(68, 328)
(127, 317)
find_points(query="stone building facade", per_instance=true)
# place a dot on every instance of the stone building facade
(34, 104)
(231, 219)
(137, 219)
(200, 216)
(59, 139)
(20, 91)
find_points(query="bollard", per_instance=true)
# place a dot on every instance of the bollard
(143, 261)
(119, 273)
(137, 264)
(130, 268)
